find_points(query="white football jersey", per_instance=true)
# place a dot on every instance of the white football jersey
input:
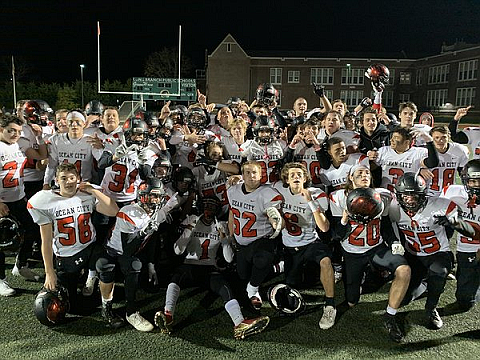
(473, 135)
(12, 162)
(455, 157)
(423, 236)
(395, 165)
(337, 177)
(121, 179)
(110, 141)
(62, 149)
(349, 137)
(250, 220)
(470, 214)
(214, 184)
(267, 155)
(362, 237)
(308, 157)
(28, 140)
(131, 219)
(233, 149)
(73, 230)
(202, 244)
(419, 141)
(300, 226)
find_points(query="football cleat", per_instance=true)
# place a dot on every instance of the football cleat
(250, 327)
(5, 289)
(113, 320)
(139, 322)
(391, 325)
(26, 273)
(164, 322)
(89, 286)
(434, 320)
(328, 318)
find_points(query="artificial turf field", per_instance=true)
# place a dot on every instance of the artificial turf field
(208, 333)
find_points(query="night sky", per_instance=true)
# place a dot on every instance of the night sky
(54, 39)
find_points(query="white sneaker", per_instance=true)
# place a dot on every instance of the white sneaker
(328, 317)
(26, 273)
(5, 289)
(139, 322)
(89, 286)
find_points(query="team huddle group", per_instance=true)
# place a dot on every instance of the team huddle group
(362, 196)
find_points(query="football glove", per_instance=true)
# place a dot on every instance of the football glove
(274, 215)
(318, 89)
(398, 249)
(120, 151)
(152, 274)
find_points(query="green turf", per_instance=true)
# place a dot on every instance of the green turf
(201, 333)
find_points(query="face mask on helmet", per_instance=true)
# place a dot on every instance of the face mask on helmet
(196, 119)
(264, 127)
(50, 307)
(162, 169)
(10, 234)
(94, 107)
(266, 95)
(410, 190)
(136, 132)
(378, 75)
(209, 207)
(151, 195)
(32, 113)
(183, 180)
(471, 181)
(285, 299)
(364, 205)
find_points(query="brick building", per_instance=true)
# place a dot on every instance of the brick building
(438, 83)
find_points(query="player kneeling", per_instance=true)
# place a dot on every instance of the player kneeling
(200, 240)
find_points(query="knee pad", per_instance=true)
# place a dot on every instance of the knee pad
(135, 266)
(106, 270)
(438, 270)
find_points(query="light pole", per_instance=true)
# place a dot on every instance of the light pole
(348, 72)
(82, 66)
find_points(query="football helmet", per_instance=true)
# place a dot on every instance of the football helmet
(286, 299)
(94, 107)
(183, 180)
(162, 168)
(10, 234)
(50, 307)
(266, 94)
(135, 126)
(209, 206)
(196, 118)
(364, 205)
(151, 194)
(263, 123)
(32, 113)
(410, 190)
(378, 75)
(471, 171)
(178, 114)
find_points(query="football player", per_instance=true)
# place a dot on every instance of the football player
(200, 240)
(424, 222)
(13, 195)
(303, 210)
(67, 231)
(236, 139)
(366, 237)
(133, 228)
(467, 198)
(469, 135)
(254, 220)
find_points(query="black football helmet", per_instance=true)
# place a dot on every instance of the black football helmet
(178, 114)
(32, 113)
(196, 119)
(209, 207)
(50, 307)
(379, 76)
(266, 94)
(135, 126)
(411, 184)
(11, 236)
(151, 194)
(471, 171)
(263, 123)
(364, 205)
(286, 299)
(94, 107)
(183, 180)
(162, 168)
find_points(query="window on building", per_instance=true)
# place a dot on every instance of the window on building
(352, 76)
(438, 74)
(404, 97)
(276, 76)
(418, 77)
(351, 97)
(391, 78)
(465, 96)
(405, 77)
(322, 76)
(467, 70)
(329, 94)
(229, 47)
(436, 98)
(293, 77)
